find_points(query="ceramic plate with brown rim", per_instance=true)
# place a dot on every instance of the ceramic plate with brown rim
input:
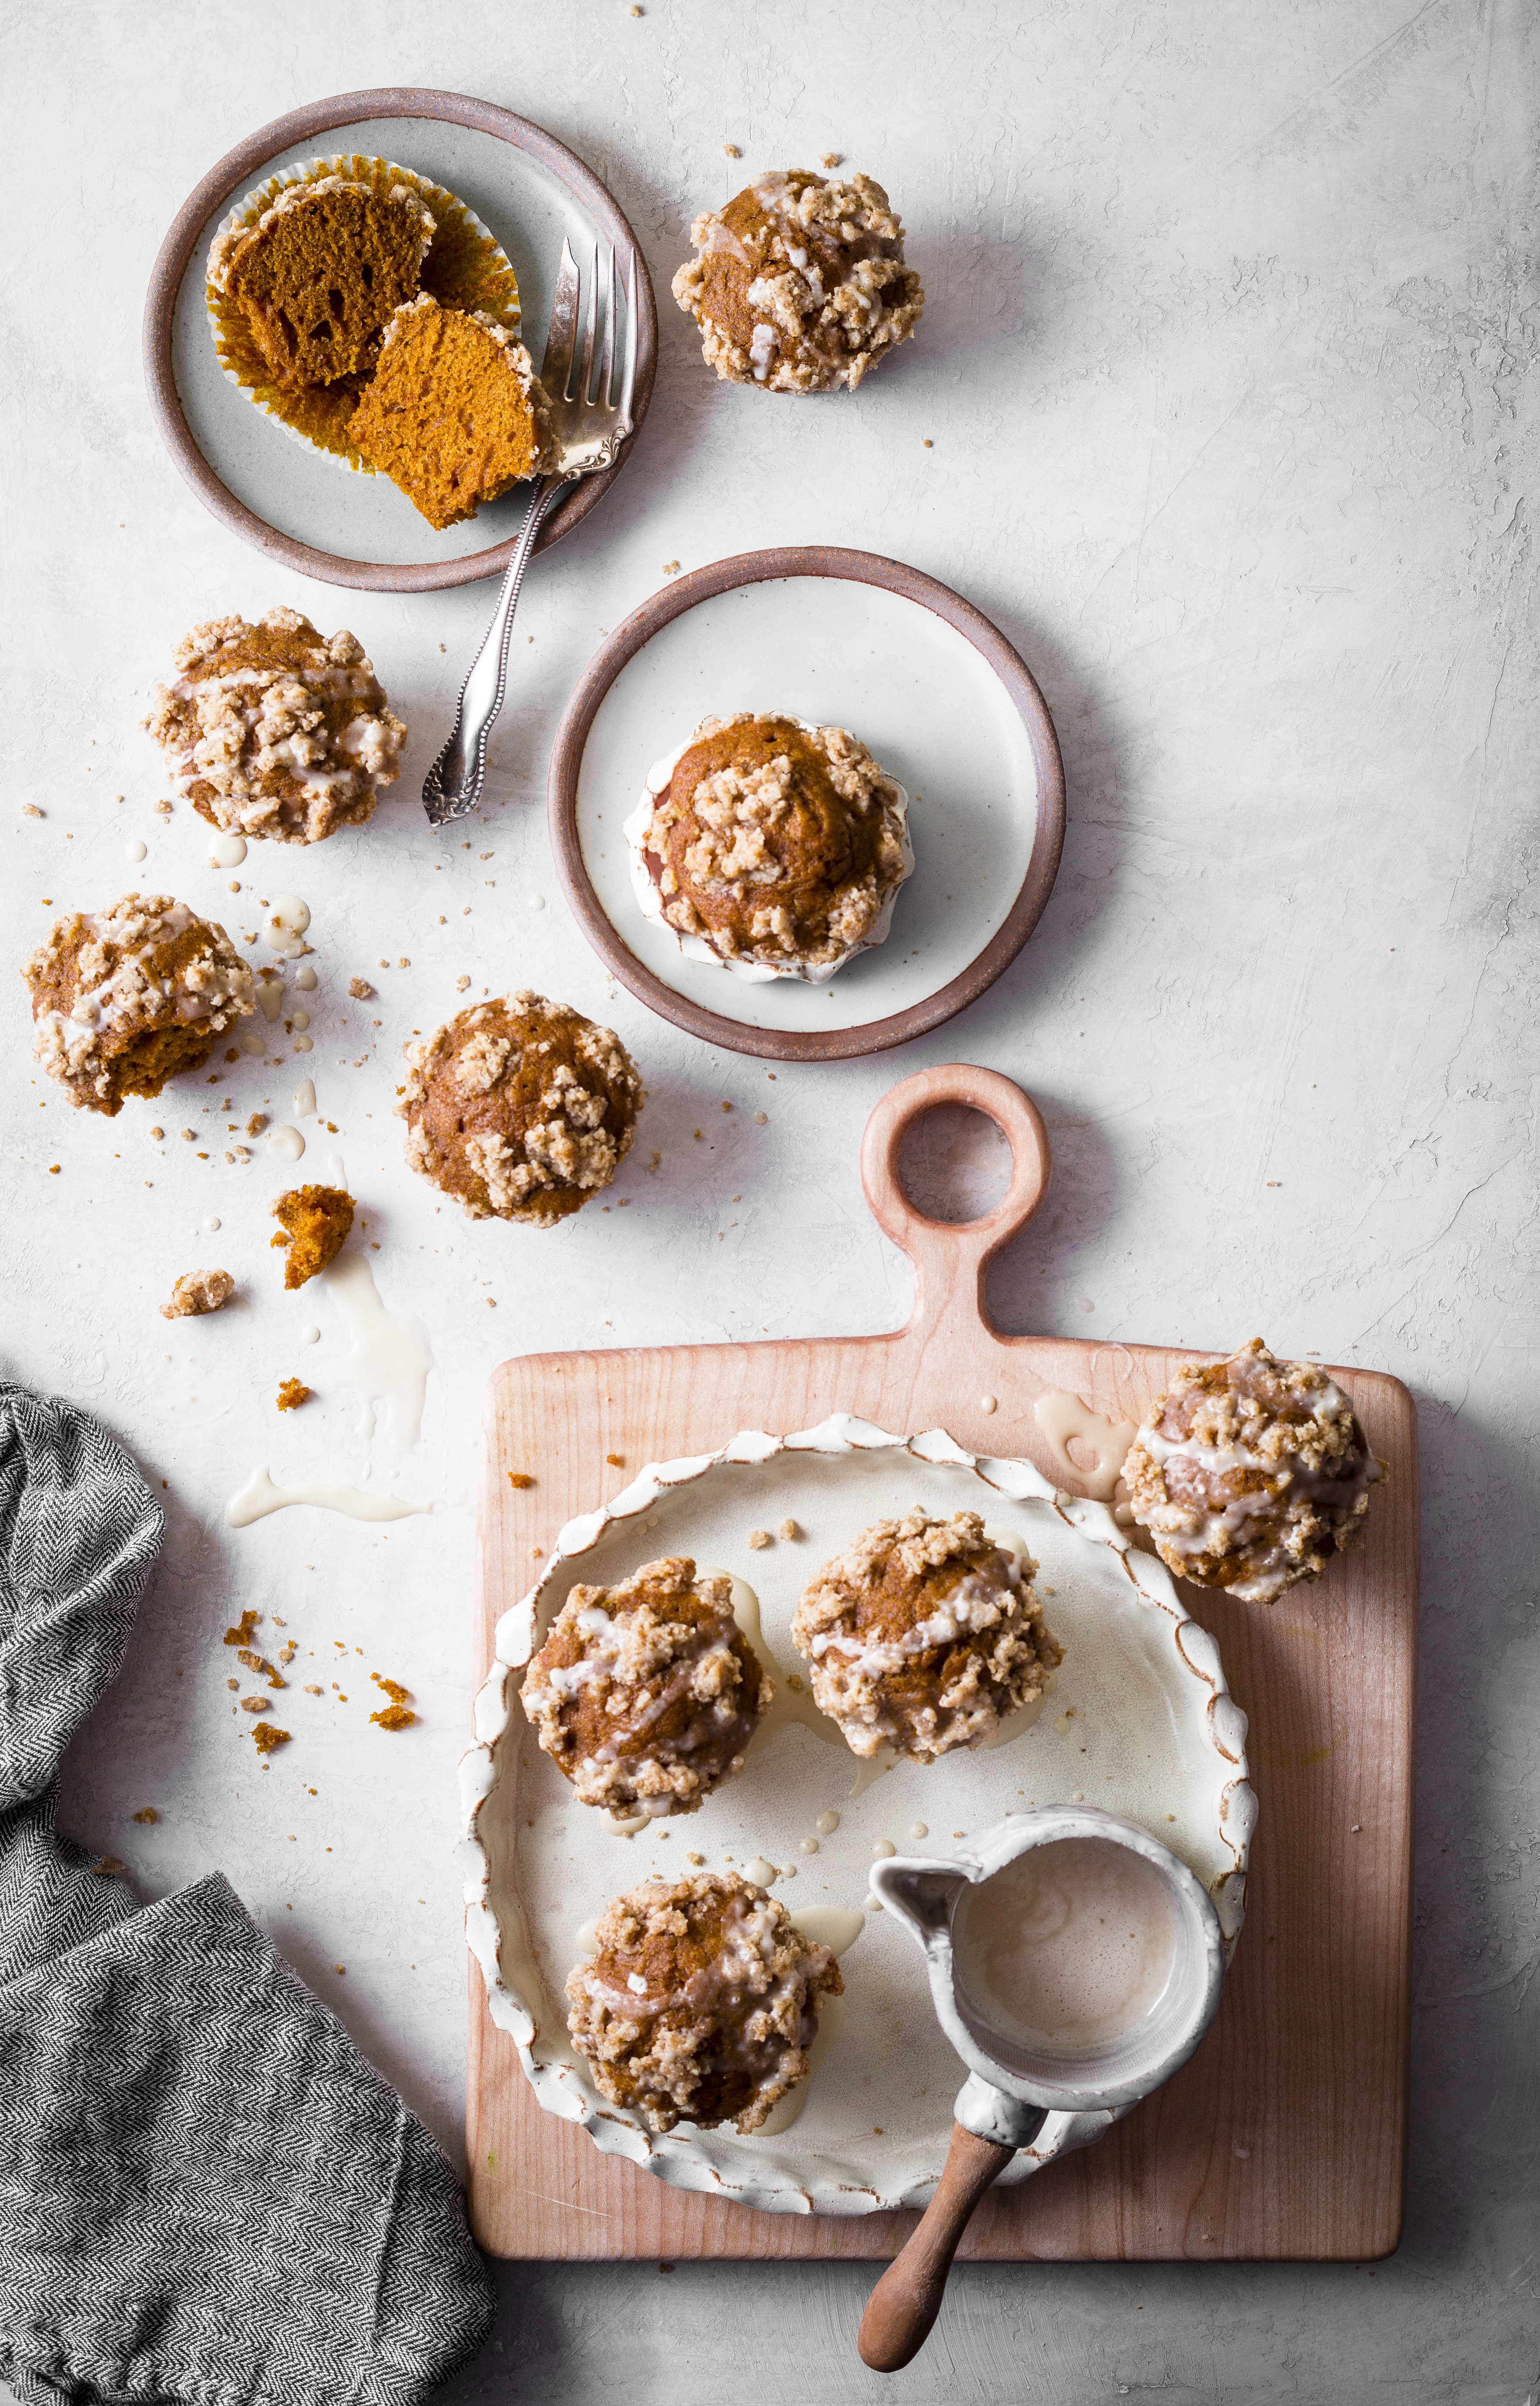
(843, 639)
(354, 528)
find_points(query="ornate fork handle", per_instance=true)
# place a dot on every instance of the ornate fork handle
(452, 787)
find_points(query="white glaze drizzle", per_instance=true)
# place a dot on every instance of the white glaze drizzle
(259, 1497)
(392, 1355)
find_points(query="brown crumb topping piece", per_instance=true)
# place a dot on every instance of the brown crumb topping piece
(292, 1394)
(197, 1291)
(645, 1693)
(800, 283)
(1251, 1473)
(126, 998)
(780, 844)
(272, 729)
(520, 1108)
(321, 272)
(924, 1635)
(268, 1735)
(455, 413)
(700, 2002)
(315, 1224)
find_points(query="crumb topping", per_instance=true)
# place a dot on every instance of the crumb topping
(798, 283)
(520, 1108)
(780, 846)
(646, 1693)
(292, 1394)
(702, 2002)
(197, 1291)
(274, 729)
(1251, 1473)
(924, 1635)
(122, 998)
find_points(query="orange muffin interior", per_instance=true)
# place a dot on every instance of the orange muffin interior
(454, 415)
(321, 273)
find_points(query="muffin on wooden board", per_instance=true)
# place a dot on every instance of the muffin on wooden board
(1250, 1474)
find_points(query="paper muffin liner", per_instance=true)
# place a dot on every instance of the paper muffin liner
(466, 268)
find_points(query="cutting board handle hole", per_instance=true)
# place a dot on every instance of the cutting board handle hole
(954, 1164)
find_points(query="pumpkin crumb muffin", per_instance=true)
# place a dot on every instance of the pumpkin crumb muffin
(771, 846)
(520, 1108)
(700, 2002)
(645, 1694)
(197, 1291)
(454, 413)
(125, 997)
(798, 284)
(274, 729)
(1250, 1474)
(320, 273)
(924, 1635)
(315, 1224)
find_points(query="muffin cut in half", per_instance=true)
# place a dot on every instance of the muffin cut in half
(700, 2002)
(125, 997)
(798, 284)
(274, 729)
(521, 1109)
(1250, 1474)
(924, 1634)
(455, 413)
(645, 1694)
(771, 846)
(320, 273)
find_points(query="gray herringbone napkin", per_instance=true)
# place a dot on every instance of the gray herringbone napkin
(205, 2193)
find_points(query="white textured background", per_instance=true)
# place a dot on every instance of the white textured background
(1227, 368)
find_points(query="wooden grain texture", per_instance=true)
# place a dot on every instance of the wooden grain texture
(1285, 2135)
(757, 568)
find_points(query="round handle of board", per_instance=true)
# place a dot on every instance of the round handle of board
(948, 1254)
(906, 2299)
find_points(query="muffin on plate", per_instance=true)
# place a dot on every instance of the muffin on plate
(798, 284)
(772, 847)
(700, 2004)
(321, 272)
(125, 997)
(645, 1694)
(1251, 1473)
(274, 729)
(924, 1634)
(454, 413)
(520, 1108)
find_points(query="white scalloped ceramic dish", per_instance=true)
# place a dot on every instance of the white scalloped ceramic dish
(1140, 1721)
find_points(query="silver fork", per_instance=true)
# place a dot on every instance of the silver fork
(586, 435)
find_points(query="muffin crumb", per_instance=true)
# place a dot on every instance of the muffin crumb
(292, 1394)
(315, 1224)
(197, 1291)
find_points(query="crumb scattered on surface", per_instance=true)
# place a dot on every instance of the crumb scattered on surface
(292, 1394)
(360, 988)
(268, 1735)
(760, 1538)
(315, 1222)
(790, 1529)
(242, 1636)
(146, 1813)
(520, 1478)
(197, 1291)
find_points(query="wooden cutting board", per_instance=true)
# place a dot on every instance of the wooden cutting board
(1286, 2134)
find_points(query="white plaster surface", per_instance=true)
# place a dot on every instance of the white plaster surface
(1226, 368)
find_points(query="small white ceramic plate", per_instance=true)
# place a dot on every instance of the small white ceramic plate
(288, 498)
(1139, 1722)
(940, 698)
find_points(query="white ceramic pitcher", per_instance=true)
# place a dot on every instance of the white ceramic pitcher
(1010, 2090)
